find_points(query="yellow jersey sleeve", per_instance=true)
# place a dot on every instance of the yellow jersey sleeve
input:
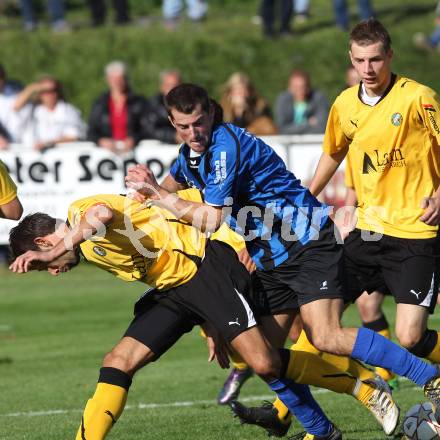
(78, 209)
(8, 189)
(428, 107)
(228, 236)
(334, 139)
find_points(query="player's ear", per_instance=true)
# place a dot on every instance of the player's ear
(390, 54)
(172, 121)
(42, 242)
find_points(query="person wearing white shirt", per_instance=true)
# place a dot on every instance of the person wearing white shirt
(45, 118)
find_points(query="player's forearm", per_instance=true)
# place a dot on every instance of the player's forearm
(204, 217)
(11, 210)
(350, 197)
(94, 222)
(327, 166)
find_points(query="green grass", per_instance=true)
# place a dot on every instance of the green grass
(54, 333)
(208, 53)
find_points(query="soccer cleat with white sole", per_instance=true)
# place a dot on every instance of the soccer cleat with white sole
(432, 392)
(383, 407)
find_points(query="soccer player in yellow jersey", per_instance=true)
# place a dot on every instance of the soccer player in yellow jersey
(152, 246)
(391, 125)
(369, 304)
(194, 281)
(10, 206)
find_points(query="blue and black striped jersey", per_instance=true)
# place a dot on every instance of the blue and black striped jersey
(266, 203)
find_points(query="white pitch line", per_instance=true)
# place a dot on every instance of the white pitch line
(178, 404)
(146, 406)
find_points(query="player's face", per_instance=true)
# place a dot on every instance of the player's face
(195, 128)
(373, 66)
(60, 265)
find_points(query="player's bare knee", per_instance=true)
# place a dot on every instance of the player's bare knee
(319, 339)
(122, 360)
(408, 339)
(267, 367)
(419, 345)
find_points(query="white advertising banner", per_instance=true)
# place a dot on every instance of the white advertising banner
(48, 182)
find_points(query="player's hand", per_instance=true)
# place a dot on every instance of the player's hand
(431, 216)
(217, 347)
(22, 264)
(246, 260)
(142, 179)
(345, 220)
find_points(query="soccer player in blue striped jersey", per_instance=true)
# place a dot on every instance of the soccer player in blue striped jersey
(288, 232)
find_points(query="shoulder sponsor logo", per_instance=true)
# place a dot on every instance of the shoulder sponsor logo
(324, 286)
(431, 110)
(379, 162)
(98, 250)
(220, 169)
(396, 119)
(429, 107)
(354, 122)
(234, 322)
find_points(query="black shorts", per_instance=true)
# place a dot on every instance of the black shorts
(312, 273)
(410, 268)
(218, 293)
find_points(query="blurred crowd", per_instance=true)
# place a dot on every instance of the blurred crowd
(277, 17)
(269, 11)
(39, 114)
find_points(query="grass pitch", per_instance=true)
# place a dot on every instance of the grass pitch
(54, 333)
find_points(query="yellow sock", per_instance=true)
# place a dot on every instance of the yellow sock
(283, 412)
(434, 356)
(102, 411)
(237, 361)
(312, 369)
(362, 392)
(343, 363)
(382, 372)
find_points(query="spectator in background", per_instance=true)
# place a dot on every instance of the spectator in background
(244, 107)
(365, 11)
(196, 11)
(301, 9)
(45, 118)
(98, 10)
(156, 122)
(268, 16)
(433, 41)
(56, 10)
(351, 77)
(301, 109)
(8, 87)
(8, 91)
(115, 121)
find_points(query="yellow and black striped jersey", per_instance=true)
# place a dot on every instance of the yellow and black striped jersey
(393, 152)
(8, 189)
(147, 244)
